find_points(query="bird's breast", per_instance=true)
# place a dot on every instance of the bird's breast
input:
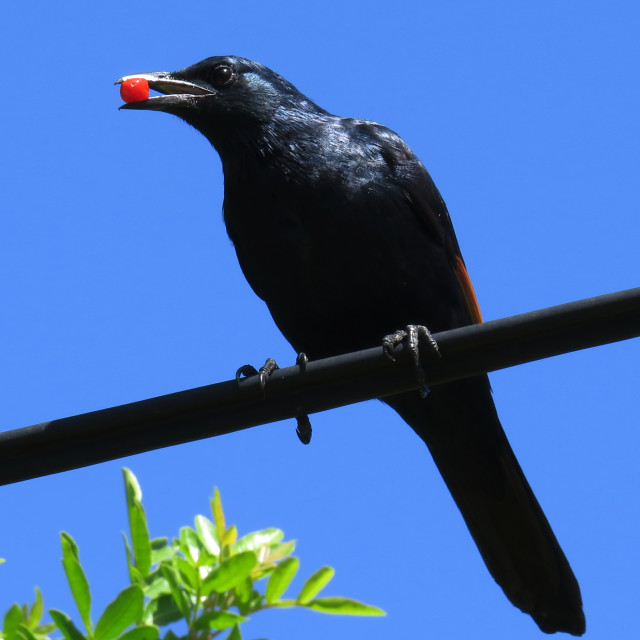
(340, 257)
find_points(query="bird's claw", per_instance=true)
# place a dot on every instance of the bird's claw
(303, 427)
(413, 333)
(264, 372)
(246, 371)
(301, 360)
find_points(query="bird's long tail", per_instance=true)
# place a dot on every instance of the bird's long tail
(459, 424)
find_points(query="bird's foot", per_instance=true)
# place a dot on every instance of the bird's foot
(264, 372)
(413, 334)
(303, 428)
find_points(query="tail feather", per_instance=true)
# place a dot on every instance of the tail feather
(459, 424)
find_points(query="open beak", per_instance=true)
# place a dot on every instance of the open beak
(177, 93)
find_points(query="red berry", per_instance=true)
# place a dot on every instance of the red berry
(134, 90)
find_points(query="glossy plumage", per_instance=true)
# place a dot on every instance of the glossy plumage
(339, 228)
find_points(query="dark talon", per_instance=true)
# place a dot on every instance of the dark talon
(413, 333)
(264, 372)
(303, 428)
(246, 370)
(302, 360)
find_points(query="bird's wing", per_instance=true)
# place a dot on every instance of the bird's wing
(428, 205)
(425, 201)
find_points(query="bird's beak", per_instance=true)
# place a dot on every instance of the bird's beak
(178, 93)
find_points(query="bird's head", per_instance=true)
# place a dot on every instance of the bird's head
(222, 95)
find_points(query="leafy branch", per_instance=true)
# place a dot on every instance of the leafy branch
(207, 578)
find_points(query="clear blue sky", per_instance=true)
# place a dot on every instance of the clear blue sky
(118, 283)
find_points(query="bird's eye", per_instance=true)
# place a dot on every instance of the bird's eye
(222, 75)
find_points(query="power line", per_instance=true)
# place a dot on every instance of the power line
(216, 409)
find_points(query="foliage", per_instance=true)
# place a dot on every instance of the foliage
(207, 577)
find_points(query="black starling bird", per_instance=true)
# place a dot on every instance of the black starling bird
(339, 228)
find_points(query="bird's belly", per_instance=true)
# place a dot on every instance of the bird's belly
(334, 284)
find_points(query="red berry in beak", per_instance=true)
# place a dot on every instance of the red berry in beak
(134, 90)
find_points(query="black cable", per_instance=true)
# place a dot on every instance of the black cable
(89, 438)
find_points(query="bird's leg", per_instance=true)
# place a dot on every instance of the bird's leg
(264, 372)
(412, 334)
(303, 427)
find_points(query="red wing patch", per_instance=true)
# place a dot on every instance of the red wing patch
(469, 294)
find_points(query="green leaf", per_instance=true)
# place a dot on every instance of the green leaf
(315, 584)
(45, 629)
(35, 615)
(155, 584)
(229, 573)
(135, 577)
(170, 635)
(131, 485)
(218, 513)
(77, 580)
(142, 632)
(230, 535)
(344, 607)
(254, 602)
(176, 591)
(65, 625)
(134, 574)
(280, 579)
(279, 551)
(123, 611)
(12, 619)
(208, 535)
(190, 544)
(243, 590)
(188, 573)
(160, 550)
(140, 541)
(218, 620)
(25, 633)
(163, 611)
(235, 634)
(72, 545)
(262, 571)
(257, 539)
